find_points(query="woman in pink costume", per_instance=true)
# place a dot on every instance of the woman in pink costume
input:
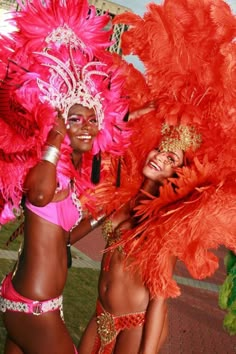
(60, 106)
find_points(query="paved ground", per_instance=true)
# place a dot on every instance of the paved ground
(195, 321)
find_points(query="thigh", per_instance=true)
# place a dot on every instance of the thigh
(87, 341)
(129, 341)
(11, 347)
(38, 334)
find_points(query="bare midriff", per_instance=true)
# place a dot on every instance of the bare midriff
(42, 269)
(121, 291)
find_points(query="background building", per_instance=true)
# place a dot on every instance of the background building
(8, 4)
(113, 9)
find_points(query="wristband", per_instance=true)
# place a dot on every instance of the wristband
(51, 154)
(58, 132)
(95, 222)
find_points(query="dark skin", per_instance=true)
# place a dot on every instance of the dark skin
(42, 270)
(116, 283)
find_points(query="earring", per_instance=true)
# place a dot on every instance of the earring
(118, 174)
(96, 165)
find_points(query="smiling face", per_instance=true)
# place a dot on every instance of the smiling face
(83, 127)
(161, 165)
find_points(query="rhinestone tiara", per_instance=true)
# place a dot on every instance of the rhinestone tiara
(68, 85)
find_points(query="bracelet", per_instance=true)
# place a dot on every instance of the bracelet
(59, 132)
(95, 222)
(51, 154)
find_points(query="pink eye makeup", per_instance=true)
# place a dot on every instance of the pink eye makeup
(76, 119)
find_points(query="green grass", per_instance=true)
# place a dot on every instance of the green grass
(80, 293)
(5, 233)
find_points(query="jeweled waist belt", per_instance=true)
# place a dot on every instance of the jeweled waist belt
(35, 307)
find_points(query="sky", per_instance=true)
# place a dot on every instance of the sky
(139, 7)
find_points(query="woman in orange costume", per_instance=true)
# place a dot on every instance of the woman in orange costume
(189, 56)
(138, 322)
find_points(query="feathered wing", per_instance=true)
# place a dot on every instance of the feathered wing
(22, 135)
(188, 50)
(188, 223)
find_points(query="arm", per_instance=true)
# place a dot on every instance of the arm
(88, 224)
(154, 324)
(142, 111)
(155, 328)
(85, 226)
(80, 230)
(41, 181)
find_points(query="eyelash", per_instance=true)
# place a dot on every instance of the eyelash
(80, 119)
(73, 119)
(93, 120)
(171, 159)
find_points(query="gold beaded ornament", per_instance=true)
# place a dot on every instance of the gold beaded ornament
(180, 137)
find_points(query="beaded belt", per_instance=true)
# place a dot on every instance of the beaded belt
(108, 325)
(35, 307)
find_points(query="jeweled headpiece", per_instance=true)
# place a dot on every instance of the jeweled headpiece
(71, 82)
(68, 86)
(181, 137)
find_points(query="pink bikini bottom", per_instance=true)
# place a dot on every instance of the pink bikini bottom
(11, 300)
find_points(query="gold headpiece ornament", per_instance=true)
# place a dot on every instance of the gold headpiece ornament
(179, 137)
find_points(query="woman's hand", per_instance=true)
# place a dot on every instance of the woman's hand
(58, 131)
(144, 110)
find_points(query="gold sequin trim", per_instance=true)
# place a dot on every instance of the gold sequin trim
(179, 137)
(107, 229)
(106, 328)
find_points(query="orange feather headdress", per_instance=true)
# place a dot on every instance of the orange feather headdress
(188, 49)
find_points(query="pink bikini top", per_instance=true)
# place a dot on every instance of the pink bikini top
(66, 213)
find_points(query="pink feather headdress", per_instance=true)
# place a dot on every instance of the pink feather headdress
(56, 57)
